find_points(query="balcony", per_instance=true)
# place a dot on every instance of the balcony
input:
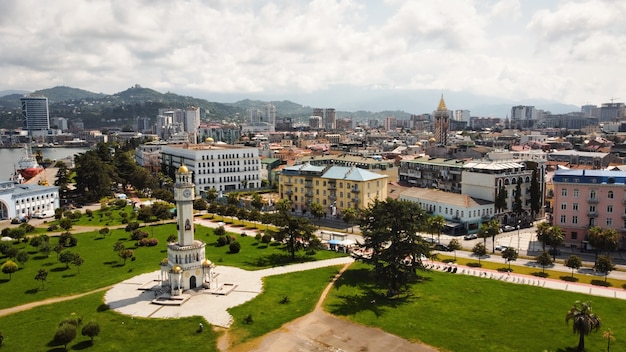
(309, 194)
(486, 217)
(332, 186)
(624, 216)
(332, 197)
(355, 190)
(624, 202)
(592, 214)
(356, 200)
(592, 200)
(308, 185)
(289, 192)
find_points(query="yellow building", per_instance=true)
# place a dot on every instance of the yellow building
(334, 187)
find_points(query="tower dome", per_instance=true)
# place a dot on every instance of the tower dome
(206, 263)
(177, 269)
(183, 169)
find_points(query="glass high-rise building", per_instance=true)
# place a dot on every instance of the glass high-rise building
(35, 113)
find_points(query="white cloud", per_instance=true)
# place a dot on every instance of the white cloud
(505, 48)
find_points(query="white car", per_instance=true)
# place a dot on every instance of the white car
(501, 248)
(507, 228)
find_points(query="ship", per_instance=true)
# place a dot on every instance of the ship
(28, 166)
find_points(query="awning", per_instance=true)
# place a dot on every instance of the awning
(453, 224)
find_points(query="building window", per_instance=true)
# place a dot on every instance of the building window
(592, 208)
(592, 194)
(610, 195)
(564, 192)
(609, 208)
(575, 219)
(563, 219)
(576, 192)
(574, 235)
(563, 206)
(575, 206)
(609, 222)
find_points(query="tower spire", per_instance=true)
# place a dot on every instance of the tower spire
(442, 104)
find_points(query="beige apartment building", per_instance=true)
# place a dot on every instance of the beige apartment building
(334, 187)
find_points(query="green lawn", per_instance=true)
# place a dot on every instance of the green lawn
(34, 330)
(465, 313)
(103, 267)
(267, 311)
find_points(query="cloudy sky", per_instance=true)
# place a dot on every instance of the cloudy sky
(566, 51)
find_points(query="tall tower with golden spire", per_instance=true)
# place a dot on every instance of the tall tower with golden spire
(186, 266)
(442, 122)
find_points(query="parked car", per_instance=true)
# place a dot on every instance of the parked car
(501, 248)
(508, 228)
(472, 236)
(430, 240)
(442, 247)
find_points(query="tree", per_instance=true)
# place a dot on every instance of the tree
(65, 224)
(219, 231)
(604, 265)
(518, 206)
(22, 257)
(454, 245)
(535, 194)
(42, 275)
(58, 248)
(317, 210)
(390, 230)
(542, 234)
(125, 254)
(554, 238)
(65, 334)
(435, 225)
(573, 262)
(67, 258)
(257, 201)
(479, 250)
(118, 246)
(544, 260)
(487, 229)
(501, 197)
(509, 254)
(104, 231)
(91, 329)
(583, 321)
(349, 215)
(199, 204)
(296, 230)
(9, 267)
(94, 173)
(603, 240)
(211, 195)
(78, 261)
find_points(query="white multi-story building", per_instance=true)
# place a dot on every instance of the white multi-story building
(485, 179)
(35, 113)
(219, 165)
(18, 200)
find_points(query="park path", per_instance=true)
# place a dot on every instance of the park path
(320, 331)
(27, 306)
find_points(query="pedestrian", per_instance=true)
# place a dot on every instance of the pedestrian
(200, 327)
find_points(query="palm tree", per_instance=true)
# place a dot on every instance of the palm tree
(584, 321)
(542, 233)
(436, 225)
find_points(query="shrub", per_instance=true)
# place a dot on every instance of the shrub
(266, 238)
(224, 240)
(248, 319)
(284, 300)
(258, 237)
(234, 247)
(474, 265)
(220, 231)
(148, 242)
(138, 235)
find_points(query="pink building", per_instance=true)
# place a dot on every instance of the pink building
(588, 198)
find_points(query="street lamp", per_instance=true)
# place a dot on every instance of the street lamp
(519, 222)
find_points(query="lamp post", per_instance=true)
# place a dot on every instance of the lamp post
(519, 222)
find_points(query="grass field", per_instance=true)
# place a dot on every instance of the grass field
(268, 310)
(34, 330)
(103, 267)
(465, 313)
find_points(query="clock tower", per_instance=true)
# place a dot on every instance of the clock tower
(184, 192)
(186, 266)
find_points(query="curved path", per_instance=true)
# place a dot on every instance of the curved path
(44, 302)
(320, 331)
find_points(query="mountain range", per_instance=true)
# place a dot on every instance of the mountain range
(362, 104)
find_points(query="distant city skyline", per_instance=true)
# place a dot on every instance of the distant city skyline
(342, 54)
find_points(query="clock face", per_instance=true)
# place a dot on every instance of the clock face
(186, 193)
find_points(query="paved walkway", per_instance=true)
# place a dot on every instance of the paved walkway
(129, 298)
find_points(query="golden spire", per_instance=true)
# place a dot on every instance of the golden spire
(442, 104)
